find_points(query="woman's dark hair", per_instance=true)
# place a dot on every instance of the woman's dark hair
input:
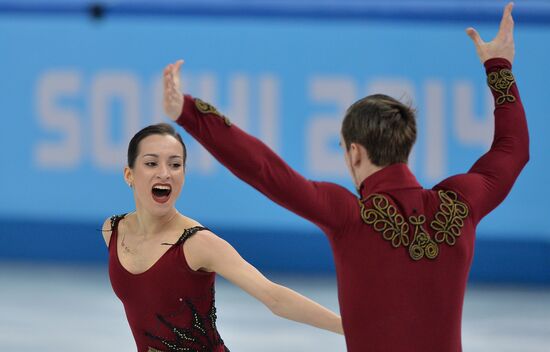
(384, 126)
(159, 128)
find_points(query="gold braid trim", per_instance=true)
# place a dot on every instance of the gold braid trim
(206, 108)
(449, 220)
(501, 81)
(386, 220)
(422, 244)
(151, 349)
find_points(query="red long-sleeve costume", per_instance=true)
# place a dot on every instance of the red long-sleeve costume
(402, 253)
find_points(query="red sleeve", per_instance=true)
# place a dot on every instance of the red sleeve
(491, 178)
(326, 204)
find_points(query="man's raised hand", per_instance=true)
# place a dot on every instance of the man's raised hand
(502, 45)
(173, 98)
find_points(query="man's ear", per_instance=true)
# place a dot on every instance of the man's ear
(358, 155)
(355, 154)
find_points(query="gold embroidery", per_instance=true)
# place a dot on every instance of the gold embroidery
(501, 82)
(151, 349)
(206, 108)
(449, 220)
(385, 219)
(422, 244)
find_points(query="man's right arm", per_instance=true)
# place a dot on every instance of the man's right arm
(325, 204)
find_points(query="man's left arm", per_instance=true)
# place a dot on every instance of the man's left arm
(491, 178)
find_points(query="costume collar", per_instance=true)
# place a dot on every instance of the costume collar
(392, 177)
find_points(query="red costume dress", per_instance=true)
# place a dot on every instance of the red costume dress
(169, 307)
(402, 253)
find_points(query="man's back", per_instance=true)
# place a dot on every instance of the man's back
(402, 265)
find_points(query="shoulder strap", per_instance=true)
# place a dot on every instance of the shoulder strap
(115, 219)
(187, 233)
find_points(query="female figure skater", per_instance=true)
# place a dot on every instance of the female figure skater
(162, 264)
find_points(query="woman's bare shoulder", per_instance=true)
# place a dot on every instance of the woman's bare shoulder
(107, 228)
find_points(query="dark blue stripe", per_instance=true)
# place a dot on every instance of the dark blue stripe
(521, 260)
(531, 16)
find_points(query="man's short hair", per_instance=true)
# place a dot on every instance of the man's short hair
(384, 126)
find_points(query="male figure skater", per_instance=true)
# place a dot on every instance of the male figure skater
(402, 252)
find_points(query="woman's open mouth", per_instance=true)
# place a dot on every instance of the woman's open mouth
(161, 192)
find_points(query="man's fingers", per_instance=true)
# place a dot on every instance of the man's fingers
(508, 10)
(472, 33)
(171, 80)
(168, 78)
(507, 20)
(507, 23)
(176, 67)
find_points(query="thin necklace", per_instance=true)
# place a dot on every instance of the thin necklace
(127, 249)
